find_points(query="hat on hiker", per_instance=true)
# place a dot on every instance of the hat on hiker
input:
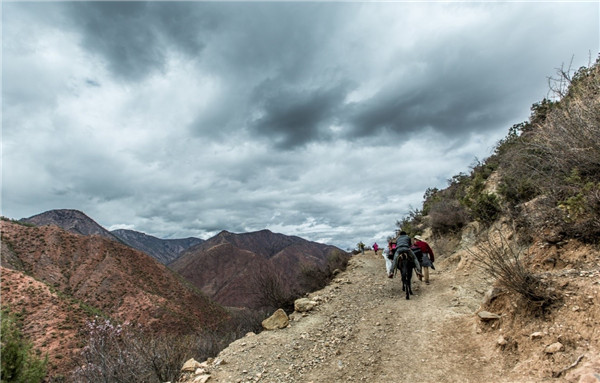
(418, 238)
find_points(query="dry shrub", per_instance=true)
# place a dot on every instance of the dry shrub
(116, 353)
(127, 353)
(447, 217)
(558, 155)
(503, 261)
(337, 260)
(571, 138)
(271, 291)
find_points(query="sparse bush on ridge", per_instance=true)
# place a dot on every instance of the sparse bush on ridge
(486, 208)
(270, 291)
(126, 353)
(448, 217)
(503, 261)
(556, 154)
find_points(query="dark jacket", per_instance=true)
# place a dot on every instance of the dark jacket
(403, 242)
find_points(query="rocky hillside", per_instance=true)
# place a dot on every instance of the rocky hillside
(236, 269)
(58, 280)
(164, 250)
(73, 221)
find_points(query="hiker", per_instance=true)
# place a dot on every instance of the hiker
(403, 243)
(375, 247)
(428, 257)
(388, 256)
(361, 247)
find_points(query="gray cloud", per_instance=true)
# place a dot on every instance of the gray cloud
(187, 118)
(135, 37)
(293, 117)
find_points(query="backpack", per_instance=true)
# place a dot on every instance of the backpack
(418, 253)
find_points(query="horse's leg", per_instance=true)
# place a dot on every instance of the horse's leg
(405, 282)
(410, 280)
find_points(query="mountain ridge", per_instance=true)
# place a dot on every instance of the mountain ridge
(225, 265)
(108, 279)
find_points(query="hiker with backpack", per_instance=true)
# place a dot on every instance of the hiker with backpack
(375, 247)
(427, 256)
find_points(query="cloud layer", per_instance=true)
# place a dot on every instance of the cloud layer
(323, 120)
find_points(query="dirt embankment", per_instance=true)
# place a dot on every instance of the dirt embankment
(364, 330)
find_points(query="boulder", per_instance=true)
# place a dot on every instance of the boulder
(501, 341)
(190, 366)
(536, 335)
(487, 316)
(554, 347)
(304, 304)
(278, 320)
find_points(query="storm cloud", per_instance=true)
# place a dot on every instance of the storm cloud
(186, 118)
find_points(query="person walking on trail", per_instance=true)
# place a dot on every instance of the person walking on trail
(361, 247)
(403, 244)
(428, 257)
(375, 247)
(388, 255)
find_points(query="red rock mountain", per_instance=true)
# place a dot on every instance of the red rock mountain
(224, 266)
(58, 280)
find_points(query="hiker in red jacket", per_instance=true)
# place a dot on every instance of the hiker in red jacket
(428, 257)
(375, 247)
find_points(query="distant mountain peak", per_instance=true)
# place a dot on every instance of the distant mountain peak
(72, 220)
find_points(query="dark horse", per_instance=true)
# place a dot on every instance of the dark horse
(406, 264)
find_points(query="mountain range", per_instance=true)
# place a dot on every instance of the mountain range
(61, 270)
(235, 269)
(75, 221)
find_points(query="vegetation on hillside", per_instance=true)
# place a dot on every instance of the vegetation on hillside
(20, 362)
(546, 182)
(551, 161)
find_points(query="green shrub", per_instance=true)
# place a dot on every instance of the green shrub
(486, 208)
(19, 363)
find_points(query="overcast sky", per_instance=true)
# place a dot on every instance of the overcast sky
(323, 120)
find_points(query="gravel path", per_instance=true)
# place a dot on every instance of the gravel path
(364, 330)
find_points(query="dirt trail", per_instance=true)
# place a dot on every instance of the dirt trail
(364, 330)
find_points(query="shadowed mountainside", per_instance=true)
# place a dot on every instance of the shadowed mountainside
(164, 250)
(226, 266)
